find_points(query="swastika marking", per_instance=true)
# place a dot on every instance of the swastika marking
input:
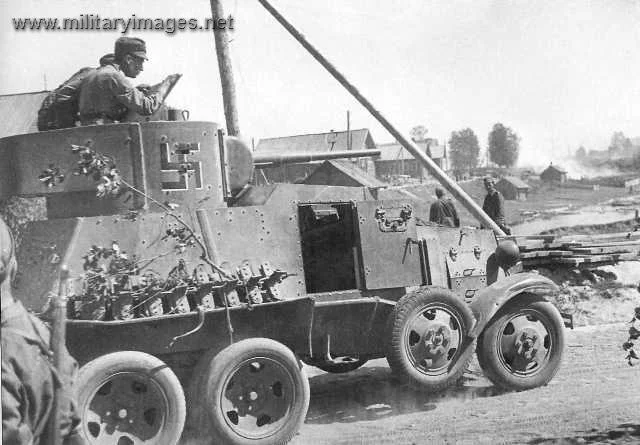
(180, 167)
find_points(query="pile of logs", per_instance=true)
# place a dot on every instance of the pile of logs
(582, 251)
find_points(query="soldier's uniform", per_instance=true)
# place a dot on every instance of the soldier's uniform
(443, 212)
(107, 94)
(494, 207)
(29, 379)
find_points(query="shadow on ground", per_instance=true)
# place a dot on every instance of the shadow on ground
(371, 393)
(623, 434)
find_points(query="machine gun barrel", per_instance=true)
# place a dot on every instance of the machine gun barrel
(268, 160)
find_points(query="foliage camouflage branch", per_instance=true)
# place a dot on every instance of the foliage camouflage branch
(634, 334)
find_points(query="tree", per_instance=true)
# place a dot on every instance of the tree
(504, 145)
(619, 143)
(418, 133)
(581, 153)
(464, 149)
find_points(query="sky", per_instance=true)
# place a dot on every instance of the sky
(560, 73)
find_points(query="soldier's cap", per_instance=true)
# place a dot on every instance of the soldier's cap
(107, 59)
(131, 45)
(439, 192)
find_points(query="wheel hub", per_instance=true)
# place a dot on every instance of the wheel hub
(433, 337)
(437, 340)
(251, 398)
(256, 397)
(527, 343)
(125, 407)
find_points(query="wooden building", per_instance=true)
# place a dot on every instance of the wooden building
(396, 161)
(513, 188)
(359, 139)
(342, 172)
(554, 173)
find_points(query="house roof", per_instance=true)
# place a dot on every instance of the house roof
(556, 168)
(311, 143)
(20, 112)
(517, 182)
(353, 171)
(393, 151)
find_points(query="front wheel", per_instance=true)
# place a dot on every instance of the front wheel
(252, 392)
(428, 345)
(522, 346)
(130, 397)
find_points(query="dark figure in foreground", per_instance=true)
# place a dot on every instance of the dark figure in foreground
(443, 211)
(107, 95)
(494, 205)
(29, 380)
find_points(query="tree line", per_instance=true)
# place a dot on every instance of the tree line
(464, 149)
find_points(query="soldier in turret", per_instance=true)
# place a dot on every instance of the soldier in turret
(107, 95)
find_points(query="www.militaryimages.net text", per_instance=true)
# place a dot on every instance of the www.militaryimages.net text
(93, 22)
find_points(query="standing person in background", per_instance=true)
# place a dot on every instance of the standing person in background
(443, 211)
(494, 205)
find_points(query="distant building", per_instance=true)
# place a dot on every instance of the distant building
(343, 172)
(554, 173)
(395, 160)
(633, 185)
(20, 113)
(513, 188)
(359, 139)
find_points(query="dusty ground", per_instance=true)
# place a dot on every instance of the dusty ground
(595, 398)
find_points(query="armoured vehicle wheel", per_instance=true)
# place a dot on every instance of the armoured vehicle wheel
(427, 341)
(521, 347)
(252, 392)
(130, 397)
(339, 365)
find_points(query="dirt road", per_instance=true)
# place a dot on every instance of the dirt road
(595, 398)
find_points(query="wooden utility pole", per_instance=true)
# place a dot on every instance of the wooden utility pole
(226, 72)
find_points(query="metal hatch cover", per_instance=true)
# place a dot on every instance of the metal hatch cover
(388, 244)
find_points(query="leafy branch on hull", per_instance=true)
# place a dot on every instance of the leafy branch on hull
(120, 287)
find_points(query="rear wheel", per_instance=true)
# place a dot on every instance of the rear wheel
(252, 392)
(128, 398)
(522, 346)
(427, 341)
